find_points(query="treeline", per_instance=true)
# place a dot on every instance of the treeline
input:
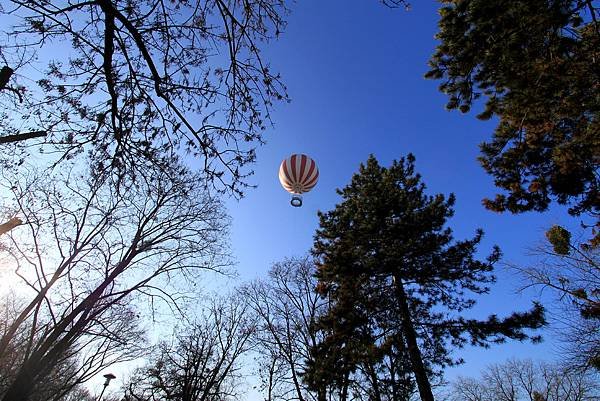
(116, 155)
(264, 335)
(375, 312)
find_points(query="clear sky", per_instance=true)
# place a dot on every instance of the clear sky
(354, 70)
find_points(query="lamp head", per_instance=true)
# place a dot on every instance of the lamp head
(109, 377)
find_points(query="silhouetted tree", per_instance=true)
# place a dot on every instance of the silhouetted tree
(90, 254)
(537, 62)
(143, 80)
(287, 307)
(62, 380)
(570, 270)
(525, 380)
(392, 271)
(202, 361)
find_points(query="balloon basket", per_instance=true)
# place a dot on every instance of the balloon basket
(296, 201)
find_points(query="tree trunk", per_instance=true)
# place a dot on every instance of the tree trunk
(414, 353)
(22, 136)
(10, 224)
(344, 392)
(375, 382)
(63, 334)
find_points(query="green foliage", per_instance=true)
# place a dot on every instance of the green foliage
(388, 234)
(537, 63)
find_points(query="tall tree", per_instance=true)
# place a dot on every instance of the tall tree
(137, 81)
(89, 254)
(58, 382)
(391, 269)
(287, 308)
(537, 62)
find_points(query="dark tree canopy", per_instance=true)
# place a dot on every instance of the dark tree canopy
(537, 63)
(395, 277)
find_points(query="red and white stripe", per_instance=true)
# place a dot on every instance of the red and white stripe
(298, 174)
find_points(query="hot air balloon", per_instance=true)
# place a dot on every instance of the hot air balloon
(298, 174)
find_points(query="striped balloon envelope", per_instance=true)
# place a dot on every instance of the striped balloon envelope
(298, 174)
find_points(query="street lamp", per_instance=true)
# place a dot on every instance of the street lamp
(109, 377)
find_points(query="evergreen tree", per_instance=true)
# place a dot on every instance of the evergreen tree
(393, 272)
(538, 64)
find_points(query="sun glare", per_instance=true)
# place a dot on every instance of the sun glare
(9, 281)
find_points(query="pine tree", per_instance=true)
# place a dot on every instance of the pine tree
(391, 269)
(537, 63)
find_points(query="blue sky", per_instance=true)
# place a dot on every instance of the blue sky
(354, 71)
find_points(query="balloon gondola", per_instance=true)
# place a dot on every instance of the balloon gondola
(298, 174)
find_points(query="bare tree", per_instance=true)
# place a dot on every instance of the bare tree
(80, 393)
(525, 380)
(287, 307)
(202, 362)
(10, 224)
(570, 270)
(90, 253)
(133, 81)
(61, 380)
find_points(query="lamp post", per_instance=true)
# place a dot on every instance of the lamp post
(109, 377)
